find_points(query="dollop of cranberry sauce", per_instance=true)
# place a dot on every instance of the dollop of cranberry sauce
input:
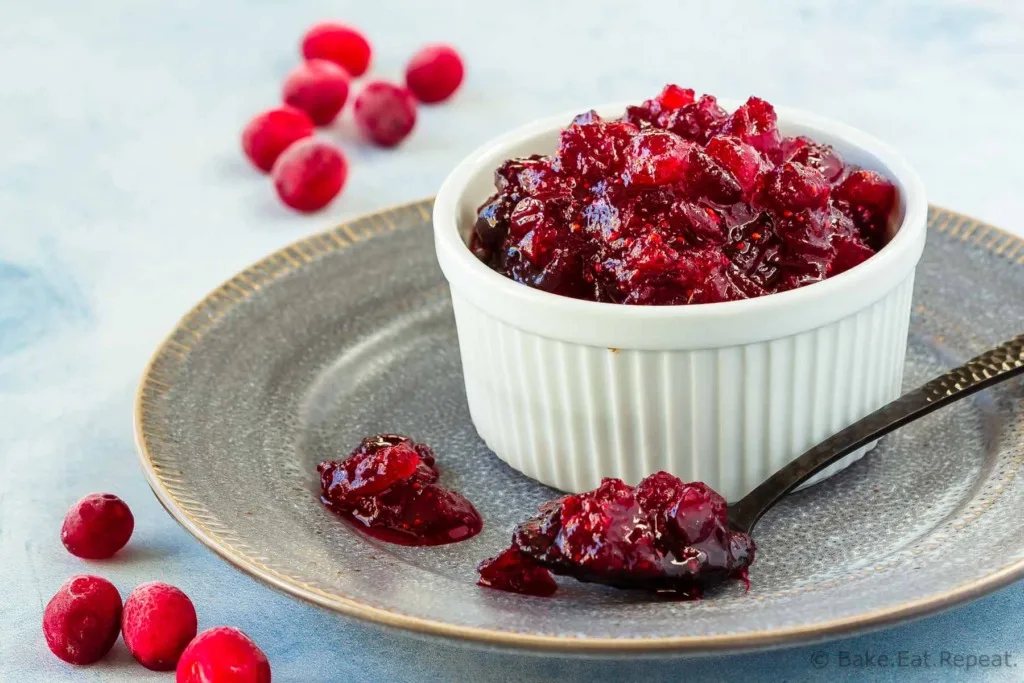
(681, 202)
(662, 535)
(388, 488)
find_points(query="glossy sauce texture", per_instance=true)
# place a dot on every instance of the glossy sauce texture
(681, 202)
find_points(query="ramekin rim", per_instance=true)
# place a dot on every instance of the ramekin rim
(907, 240)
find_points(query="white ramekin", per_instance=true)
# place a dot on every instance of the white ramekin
(569, 391)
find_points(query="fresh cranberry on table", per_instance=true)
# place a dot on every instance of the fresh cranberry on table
(434, 73)
(158, 622)
(385, 113)
(83, 619)
(681, 202)
(317, 87)
(270, 133)
(661, 535)
(309, 174)
(388, 488)
(97, 526)
(222, 655)
(343, 45)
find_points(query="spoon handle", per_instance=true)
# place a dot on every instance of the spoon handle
(994, 366)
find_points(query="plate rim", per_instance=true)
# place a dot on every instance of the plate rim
(951, 223)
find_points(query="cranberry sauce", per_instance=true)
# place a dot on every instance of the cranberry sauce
(681, 202)
(515, 572)
(388, 488)
(662, 535)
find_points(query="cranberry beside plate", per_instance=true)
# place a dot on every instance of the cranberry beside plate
(294, 361)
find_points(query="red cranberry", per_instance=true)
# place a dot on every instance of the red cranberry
(491, 225)
(695, 121)
(385, 113)
(514, 572)
(97, 526)
(526, 177)
(387, 486)
(691, 511)
(662, 535)
(317, 87)
(343, 45)
(809, 153)
(272, 132)
(742, 160)
(657, 157)
(309, 175)
(532, 224)
(869, 190)
(594, 151)
(707, 179)
(672, 97)
(536, 252)
(381, 463)
(792, 187)
(869, 200)
(849, 252)
(755, 123)
(754, 249)
(223, 655)
(434, 73)
(806, 249)
(698, 225)
(82, 620)
(158, 622)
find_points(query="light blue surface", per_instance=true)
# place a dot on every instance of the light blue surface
(124, 199)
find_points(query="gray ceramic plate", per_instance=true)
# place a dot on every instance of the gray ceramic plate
(351, 332)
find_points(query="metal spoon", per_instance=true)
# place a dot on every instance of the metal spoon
(992, 367)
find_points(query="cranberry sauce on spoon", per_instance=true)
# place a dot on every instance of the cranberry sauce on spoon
(661, 535)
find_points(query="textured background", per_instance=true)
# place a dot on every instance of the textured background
(124, 198)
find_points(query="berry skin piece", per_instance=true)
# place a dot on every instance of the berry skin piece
(343, 45)
(317, 87)
(657, 157)
(385, 113)
(272, 132)
(792, 187)
(378, 467)
(309, 175)
(159, 621)
(434, 73)
(741, 159)
(869, 190)
(97, 526)
(514, 572)
(755, 122)
(82, 620)
(223, 655)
